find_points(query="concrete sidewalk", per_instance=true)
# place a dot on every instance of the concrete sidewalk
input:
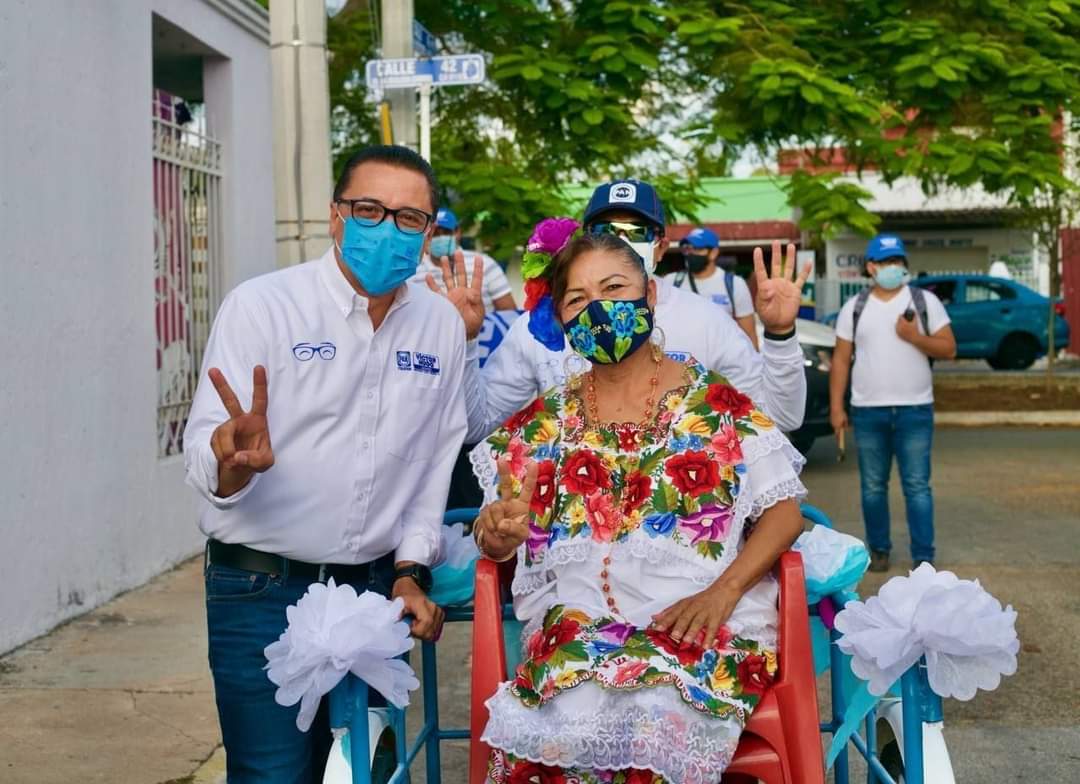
(121, 694)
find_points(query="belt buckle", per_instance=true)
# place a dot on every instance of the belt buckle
(322, 573)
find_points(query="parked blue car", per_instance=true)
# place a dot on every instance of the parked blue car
(997, 319)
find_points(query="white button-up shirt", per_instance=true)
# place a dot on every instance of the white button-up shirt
(521, 368)
(365, 427)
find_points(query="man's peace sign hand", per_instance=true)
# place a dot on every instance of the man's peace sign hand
(505, 523)
(241, 444)
(463, 293)
(779, 292)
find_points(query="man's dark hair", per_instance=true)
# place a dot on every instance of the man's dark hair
(392, 155)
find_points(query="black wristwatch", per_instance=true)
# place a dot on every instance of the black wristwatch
(420, 574)
(780, 336)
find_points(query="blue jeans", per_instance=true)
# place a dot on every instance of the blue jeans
(245, 612)
(906, 432)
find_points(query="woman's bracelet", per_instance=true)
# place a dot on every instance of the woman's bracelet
(478, 535)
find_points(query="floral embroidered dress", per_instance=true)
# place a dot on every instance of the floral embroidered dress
(625, 521)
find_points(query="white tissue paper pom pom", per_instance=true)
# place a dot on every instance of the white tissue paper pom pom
(458, 548)
(969, 641)
(333, 631)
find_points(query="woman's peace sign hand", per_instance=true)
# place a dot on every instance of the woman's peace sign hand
(505, 524)
(241, 444)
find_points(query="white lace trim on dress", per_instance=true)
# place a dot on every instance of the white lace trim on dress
(606, 729)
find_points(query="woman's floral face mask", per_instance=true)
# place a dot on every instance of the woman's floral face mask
(608, 331)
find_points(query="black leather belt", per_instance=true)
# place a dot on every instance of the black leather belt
(238, 556)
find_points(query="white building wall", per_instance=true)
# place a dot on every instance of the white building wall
(88, 510)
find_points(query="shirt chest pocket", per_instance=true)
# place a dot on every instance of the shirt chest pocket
(413, 419)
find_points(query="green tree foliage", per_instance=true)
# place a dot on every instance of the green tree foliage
(950, 92)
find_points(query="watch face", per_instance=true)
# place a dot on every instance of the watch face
(420, 574)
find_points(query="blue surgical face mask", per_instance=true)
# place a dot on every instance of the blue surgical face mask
(891, 276)
(608, 331)
(382, 257)
(443, 245)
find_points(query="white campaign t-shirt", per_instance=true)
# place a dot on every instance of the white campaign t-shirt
(714, 288)
(889, 371)
(495, 283)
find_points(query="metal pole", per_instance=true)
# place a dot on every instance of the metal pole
(425, 122)
(397, 41)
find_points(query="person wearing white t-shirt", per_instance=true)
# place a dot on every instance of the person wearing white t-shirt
(446, 238)
(703, 275)
(893, 332)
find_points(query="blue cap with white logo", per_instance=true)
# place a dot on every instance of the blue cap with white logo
(885, 246)
(445, 219)
(632, 196)
(701, 238)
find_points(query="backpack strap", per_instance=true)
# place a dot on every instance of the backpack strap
(729, 284)
(860, 306)
(918, 299)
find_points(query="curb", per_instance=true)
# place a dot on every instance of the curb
(1007, 418)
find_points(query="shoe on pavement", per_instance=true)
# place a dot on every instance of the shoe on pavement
(879, 561)
(920, 561)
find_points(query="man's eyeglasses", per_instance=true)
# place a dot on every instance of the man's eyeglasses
(306, 351)
(368, 212)
(633, 232)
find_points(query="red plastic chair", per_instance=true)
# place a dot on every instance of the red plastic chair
(780, 744)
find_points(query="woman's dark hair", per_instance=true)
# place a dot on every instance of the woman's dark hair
(587, 243)
(392, 155)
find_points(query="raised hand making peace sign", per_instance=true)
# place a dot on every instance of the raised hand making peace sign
(241, 444)
(504, 525)
(779, 292)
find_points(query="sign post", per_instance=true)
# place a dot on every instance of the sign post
(426, 73)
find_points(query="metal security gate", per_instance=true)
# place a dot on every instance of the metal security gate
(187, 258)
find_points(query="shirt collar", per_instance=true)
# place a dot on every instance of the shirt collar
(345, 298)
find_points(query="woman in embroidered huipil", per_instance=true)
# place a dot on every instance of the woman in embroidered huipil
(628, 497)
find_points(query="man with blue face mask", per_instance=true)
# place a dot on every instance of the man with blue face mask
(340, 465)
(893, 331)
(444, 243)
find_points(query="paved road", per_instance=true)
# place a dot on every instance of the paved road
(979, 367)
(123, 695)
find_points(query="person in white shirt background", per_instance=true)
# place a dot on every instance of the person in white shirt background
(893, 331)
(340, 466)
(523, 367)
(445, 241)
(703, 275)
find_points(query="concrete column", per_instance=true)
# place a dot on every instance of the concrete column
(301, 93)
(397, 41)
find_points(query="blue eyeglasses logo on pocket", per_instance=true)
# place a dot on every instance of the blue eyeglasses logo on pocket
(307, 351)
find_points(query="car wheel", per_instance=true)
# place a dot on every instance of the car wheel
(1016, 352)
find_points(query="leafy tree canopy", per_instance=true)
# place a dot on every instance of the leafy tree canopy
(950, 92)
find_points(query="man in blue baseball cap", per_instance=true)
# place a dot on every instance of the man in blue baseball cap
(522, 368)
(895, 331)
(445, 246)
(702, 275)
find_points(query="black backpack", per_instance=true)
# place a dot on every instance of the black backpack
(918, 299)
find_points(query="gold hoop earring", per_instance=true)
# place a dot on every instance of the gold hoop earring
(659, 342)
(573, 379)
